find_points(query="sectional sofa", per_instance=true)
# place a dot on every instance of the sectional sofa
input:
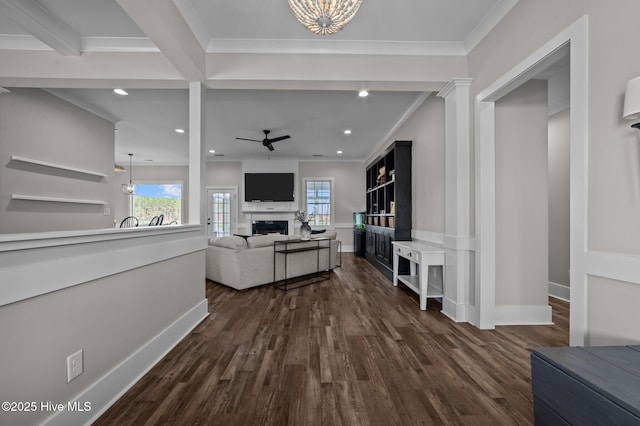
(244, 262)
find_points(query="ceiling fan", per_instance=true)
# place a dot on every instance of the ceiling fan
(266, 141)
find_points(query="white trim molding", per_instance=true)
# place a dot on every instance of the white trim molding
(457, 210)
(575, 36)
(57, 256)
(433, 238)
(335, 47)
(560, 291)
(614, 266)
(496, 14)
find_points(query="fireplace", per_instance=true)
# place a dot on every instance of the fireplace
(270, 227)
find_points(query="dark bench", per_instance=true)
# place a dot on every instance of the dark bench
(586, 385)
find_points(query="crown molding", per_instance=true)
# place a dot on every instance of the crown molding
(495, 15)
(42, 24)
(118, 44)
(62, 94)
(336, 47)
(408, 113)
(21, 42)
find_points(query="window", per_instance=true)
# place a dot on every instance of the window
(151, 200)
(318, 194)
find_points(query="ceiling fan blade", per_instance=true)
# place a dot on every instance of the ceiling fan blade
(280, 138)
(270, 147)
(252, 140)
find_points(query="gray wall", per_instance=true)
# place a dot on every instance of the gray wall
(522, 244)
(224, 173)
(109, 318)
(40, 126)
(349, 180)
(425, 128)
(559, 198)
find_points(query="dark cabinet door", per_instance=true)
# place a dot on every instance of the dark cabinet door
(383, 250)
(389, 257)
(371, 242)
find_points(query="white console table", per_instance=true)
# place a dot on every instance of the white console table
(423, 255)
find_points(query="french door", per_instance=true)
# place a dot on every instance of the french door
(222, 211)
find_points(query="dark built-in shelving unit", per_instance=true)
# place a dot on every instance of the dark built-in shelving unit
(389, 214)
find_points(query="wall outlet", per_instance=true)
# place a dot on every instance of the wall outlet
(106, 211)
(75, 365)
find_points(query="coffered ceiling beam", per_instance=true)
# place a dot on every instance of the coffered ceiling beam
(43, 25)
(163, 23)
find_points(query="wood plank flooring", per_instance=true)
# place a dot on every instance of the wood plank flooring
(352, 350)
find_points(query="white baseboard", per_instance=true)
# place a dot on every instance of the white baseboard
(109, 388)
(458, 312)
(560, 291)
(522, 315)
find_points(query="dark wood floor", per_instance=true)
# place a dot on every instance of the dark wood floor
(352, 350)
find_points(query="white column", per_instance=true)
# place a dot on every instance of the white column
(196, 154)
(457, 240)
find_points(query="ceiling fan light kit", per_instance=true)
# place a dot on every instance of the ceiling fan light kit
(266, 142)
(324, 17)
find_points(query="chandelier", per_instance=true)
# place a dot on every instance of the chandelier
(128, 188)
(324, 17)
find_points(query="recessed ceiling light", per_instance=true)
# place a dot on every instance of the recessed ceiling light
(338, 152)
(363, 94)
(213, 151)
(179, 130)
(120, 92)
(347, 132)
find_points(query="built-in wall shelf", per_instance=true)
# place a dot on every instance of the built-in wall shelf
(57, 166)
(56, 199)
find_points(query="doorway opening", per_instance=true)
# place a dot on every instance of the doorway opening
(572, 41)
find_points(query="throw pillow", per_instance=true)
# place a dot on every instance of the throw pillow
(318, 231)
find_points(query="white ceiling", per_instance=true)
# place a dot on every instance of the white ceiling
(314, 119)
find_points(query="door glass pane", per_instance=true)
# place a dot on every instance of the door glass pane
(221, 220)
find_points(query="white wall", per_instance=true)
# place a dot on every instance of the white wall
(39, 126)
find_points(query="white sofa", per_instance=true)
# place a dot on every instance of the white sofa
(241, 262)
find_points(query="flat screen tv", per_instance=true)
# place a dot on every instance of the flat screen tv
(268, 186)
